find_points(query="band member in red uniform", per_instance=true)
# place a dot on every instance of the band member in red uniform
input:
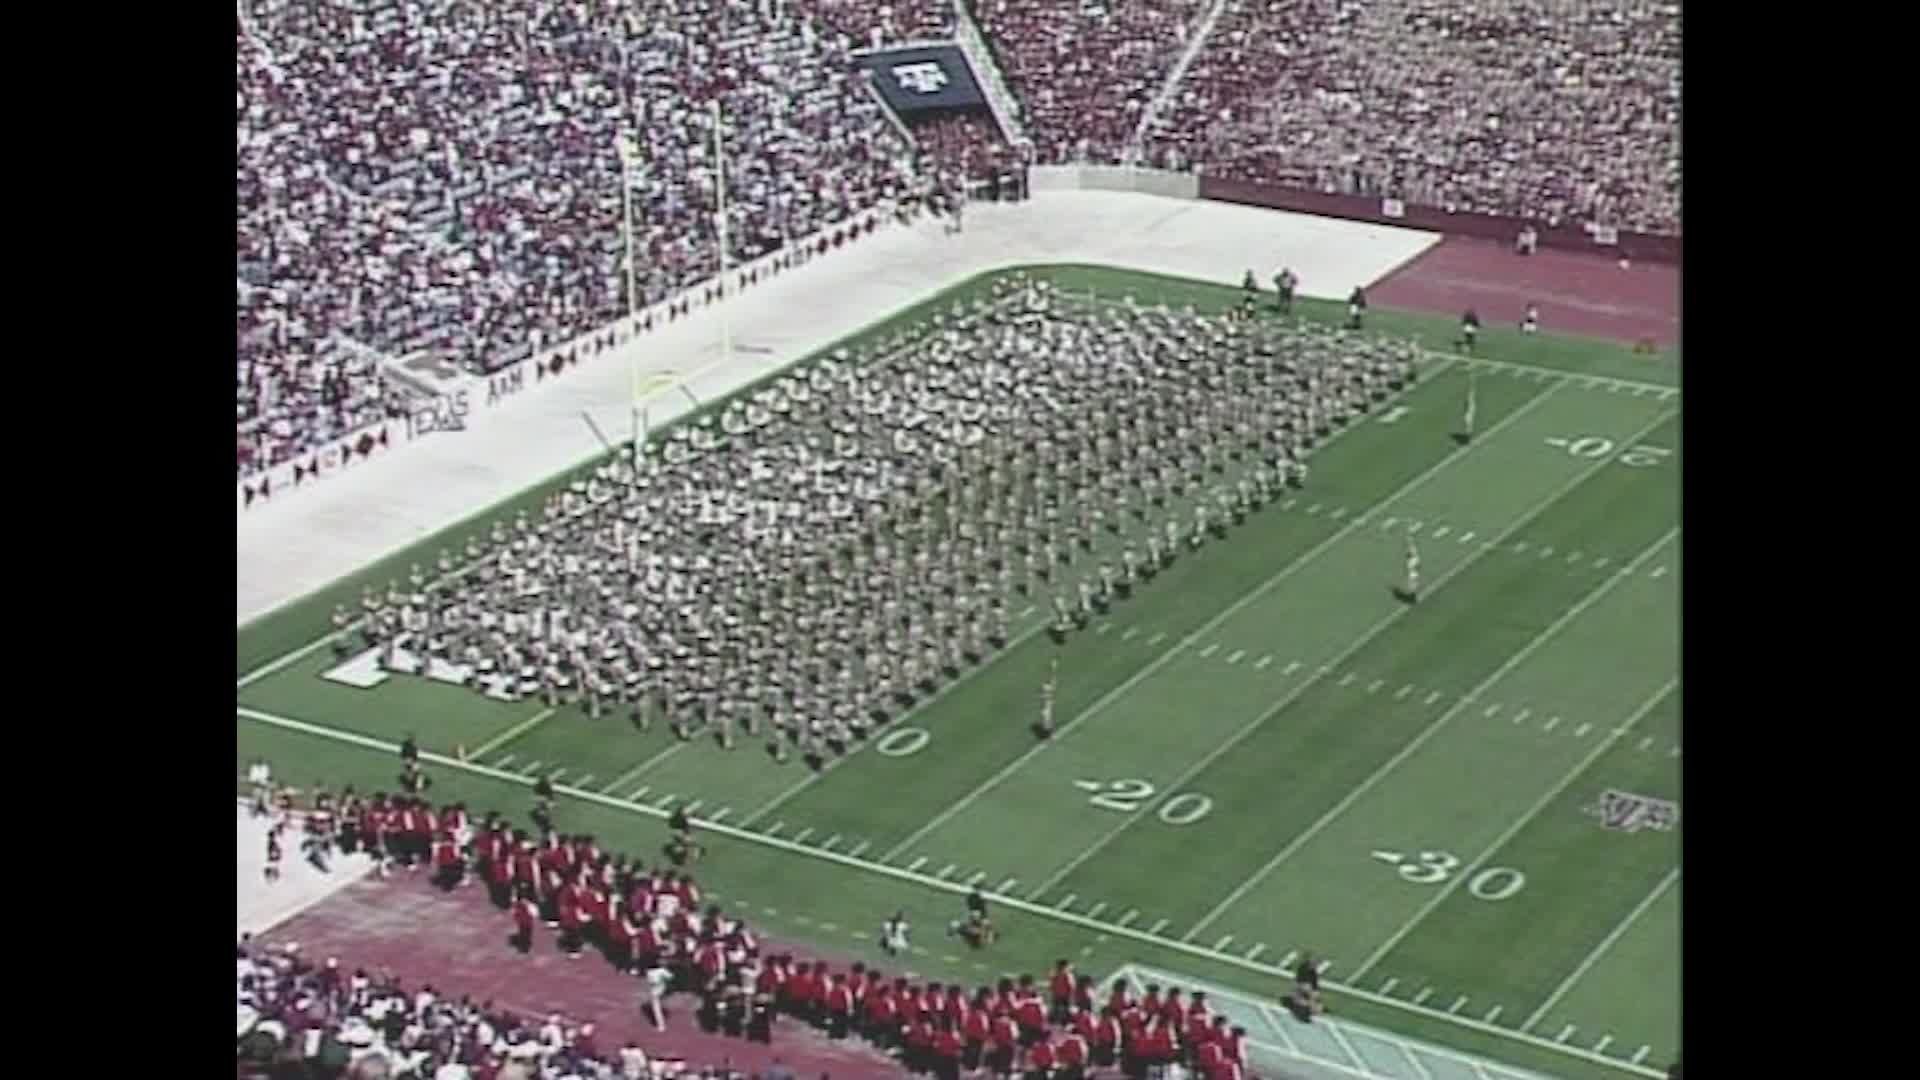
(1085, 996)
(946, 1052)
(1029, 1012)
(1061, 990)
(839, 1008)
(525, 914)
(1002, 1037)
(1073, 1056)
(449, 869)
(1105, 1038)
(883, 1028)
(978, 1026)
(1040, 1061)
(919, 1045)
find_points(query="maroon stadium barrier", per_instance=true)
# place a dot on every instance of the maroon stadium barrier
(1644, 246)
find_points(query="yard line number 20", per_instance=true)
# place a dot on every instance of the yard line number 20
(1128, 796)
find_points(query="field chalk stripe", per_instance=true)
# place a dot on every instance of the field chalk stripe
(1512, 830)
(1439, 724)
(926, 881)
(1167, 657)
(510, 734)
(1600, 950)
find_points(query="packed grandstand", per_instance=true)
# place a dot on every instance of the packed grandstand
(444, 177)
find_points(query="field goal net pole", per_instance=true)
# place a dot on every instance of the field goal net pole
(629, 160)
(720, 228)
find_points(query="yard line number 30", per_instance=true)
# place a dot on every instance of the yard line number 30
(1434, 867)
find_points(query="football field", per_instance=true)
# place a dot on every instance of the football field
(1466, 806)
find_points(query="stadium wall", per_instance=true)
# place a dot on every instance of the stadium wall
(449, 411)
(1645, 246)
(1173, 185)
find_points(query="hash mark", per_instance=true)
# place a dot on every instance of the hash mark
(1255, 951)
(830, 841)
(1287, 960)
(1289, 504)
(644, 788)
(1132, 914)
(1157, 638)
(1237, 654)
(1658, 571)
(1387, 987)
(1546, 552)
(1520, 546)
(946, 872)
(1521, 716)
(1389, 523)
(1565, 1034)
(1129, 633)
(1024, 612)
(1263, 661)
(556, 774)
(1209, 650)
(855, 853)
(1493, 710)
(1492, 1015)
(1573, 556)
(1103, 628)
(1646, 742)
(1097, 909)
(830, 927)
(1347, 679)
(1421, 997)
(1413, 526)
(1552, 723)
(505, 760)
(801, 838)
(1157, 927)
(1458, 1002)
(1292, 666)
(1007, 886)
(1401, 694)
(1433, 697)
(1439, 532)
(977, 878)
(1640, 1055)
(1466, 537)
(1374, 686)
(1314, 509)
(1581, 731)
(1675, 752)
(917, 864)
(721, 814)
(1067, 904)
(1221, 945)
(1601, 1046)
(694, 805)
(664, 801)
(532, 769)
(777, 826)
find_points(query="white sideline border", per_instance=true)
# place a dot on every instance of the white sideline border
(1112, 929)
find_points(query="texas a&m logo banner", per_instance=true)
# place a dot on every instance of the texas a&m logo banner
(923, 78)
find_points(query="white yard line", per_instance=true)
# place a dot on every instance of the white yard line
(812, 778)
(510, 734)
(1431, 730)
(1506, 835)
(1600, 950)
(1173, 651)
(1378, 628)
(637, 770)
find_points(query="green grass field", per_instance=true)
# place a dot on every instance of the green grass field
(1263, 751)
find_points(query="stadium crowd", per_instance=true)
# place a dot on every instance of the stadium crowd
(301, 1020)
(657, 926)
(811, 559)
(442, 175)
(1084, 72)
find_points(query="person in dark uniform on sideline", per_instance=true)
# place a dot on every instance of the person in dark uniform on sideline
(1469, 330)
(1249, 287)
(681, 847)
(543, 803)
(1283, 286)
(410, 749)
(414, 780)
(1356, 307)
